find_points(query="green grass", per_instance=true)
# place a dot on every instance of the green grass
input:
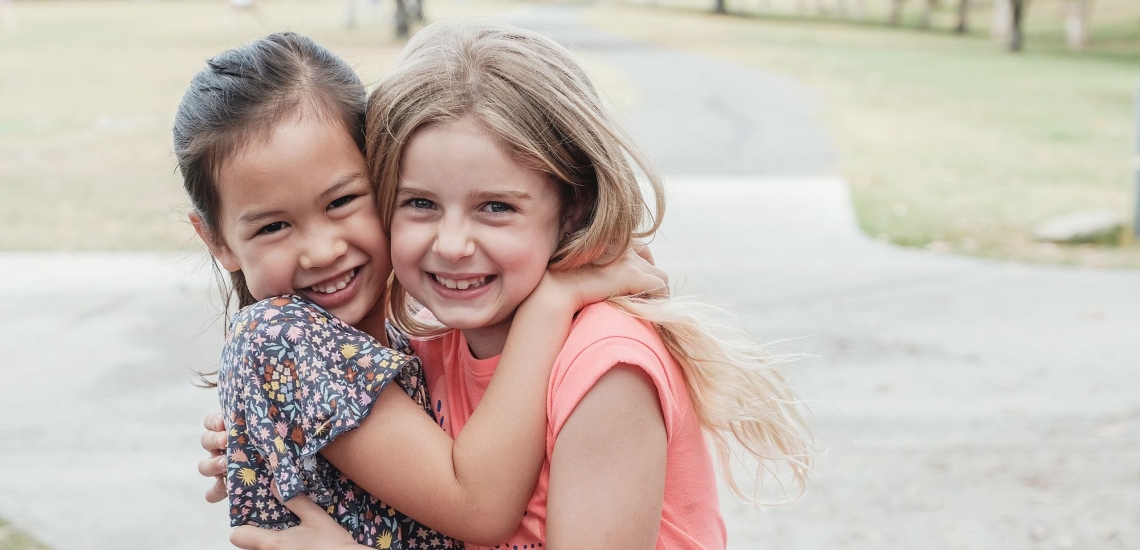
(949, 141)
(11, 539)
(88, 99)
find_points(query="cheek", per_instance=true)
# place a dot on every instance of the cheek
(406, 245)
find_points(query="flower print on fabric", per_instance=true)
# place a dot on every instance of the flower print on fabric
(291, 379)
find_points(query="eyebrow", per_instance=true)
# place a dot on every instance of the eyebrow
(258, 216)
(503, 195)
(481, 195)
(341, 183)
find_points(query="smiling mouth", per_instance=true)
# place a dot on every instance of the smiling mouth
(463, 284)
(331, 287)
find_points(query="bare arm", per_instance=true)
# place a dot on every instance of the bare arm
(607, 473)
(477, 487)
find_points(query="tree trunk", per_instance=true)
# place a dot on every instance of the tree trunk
(896, 12)
(927, 13)
(402, 22)
(1003, 20)
(963, 13)
(720, 7)
(1016, 11)
(1077, 23)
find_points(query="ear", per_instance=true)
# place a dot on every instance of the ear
(571, 215)
(218, 248)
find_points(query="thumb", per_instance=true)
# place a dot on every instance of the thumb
(248, 537)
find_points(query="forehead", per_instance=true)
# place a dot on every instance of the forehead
(463, 156)
(295, 160)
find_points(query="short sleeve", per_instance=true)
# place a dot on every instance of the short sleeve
(573, 379)
(292, 379)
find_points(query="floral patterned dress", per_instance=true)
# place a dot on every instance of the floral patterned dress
(291, 379)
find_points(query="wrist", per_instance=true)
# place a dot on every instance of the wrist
(548, 299)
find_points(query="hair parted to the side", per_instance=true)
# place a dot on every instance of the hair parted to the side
(529, 92)
(239, 98)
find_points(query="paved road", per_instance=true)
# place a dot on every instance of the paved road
(961, 403)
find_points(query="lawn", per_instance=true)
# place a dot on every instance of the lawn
(949, 142)
(11, 539)
(88, 98)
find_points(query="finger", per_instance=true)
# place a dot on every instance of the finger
(214, 441)
(212, 467)
(249, 537)
(217, 492)
(307, 510)
(215, 422)
(643, 251)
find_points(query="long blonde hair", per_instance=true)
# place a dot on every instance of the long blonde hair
(529, 92)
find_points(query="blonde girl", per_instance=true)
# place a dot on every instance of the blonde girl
(489, 142)
(269, 143)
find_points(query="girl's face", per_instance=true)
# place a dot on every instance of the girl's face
(298, 217)
(472, 231)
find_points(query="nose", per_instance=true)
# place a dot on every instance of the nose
(453, 239)
(322, 248)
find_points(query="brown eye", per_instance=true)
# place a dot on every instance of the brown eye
(271, 228)
(342, 201)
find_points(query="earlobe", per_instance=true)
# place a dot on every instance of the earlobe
(217, 247)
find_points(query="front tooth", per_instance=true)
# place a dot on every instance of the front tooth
(340, 285)
(449, 283)
(462, 285)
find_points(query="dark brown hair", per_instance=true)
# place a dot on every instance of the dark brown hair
(239, 98)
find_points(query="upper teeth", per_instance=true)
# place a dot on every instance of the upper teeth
(461, 284)
(343, 282)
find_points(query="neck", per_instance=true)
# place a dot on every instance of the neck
(376, 325)
(487, 342)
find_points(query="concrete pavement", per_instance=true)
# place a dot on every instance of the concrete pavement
(961, 403)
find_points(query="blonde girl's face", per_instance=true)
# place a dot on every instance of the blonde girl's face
(298, 217)
(472, 231)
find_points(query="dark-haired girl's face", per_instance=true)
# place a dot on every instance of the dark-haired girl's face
(298, 217)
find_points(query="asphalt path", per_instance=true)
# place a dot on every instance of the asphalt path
(959, 403)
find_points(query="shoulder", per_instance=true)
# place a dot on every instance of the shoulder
(604, 333)
(603, 338)
(280, 311)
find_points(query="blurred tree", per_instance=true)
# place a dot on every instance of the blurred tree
(408, 12)
(963, 13)
(720, 7)
(1016, 8)
(896, 12)
(927, 11)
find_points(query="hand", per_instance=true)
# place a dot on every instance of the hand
(631, 274)
(317, 531)
(214, 442)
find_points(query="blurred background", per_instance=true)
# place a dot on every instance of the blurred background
(933, 199)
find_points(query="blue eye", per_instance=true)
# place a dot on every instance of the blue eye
(419, 203)
(498, 207)
(271, 228)
(342, 201)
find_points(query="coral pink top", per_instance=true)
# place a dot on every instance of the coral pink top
(600, 338)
